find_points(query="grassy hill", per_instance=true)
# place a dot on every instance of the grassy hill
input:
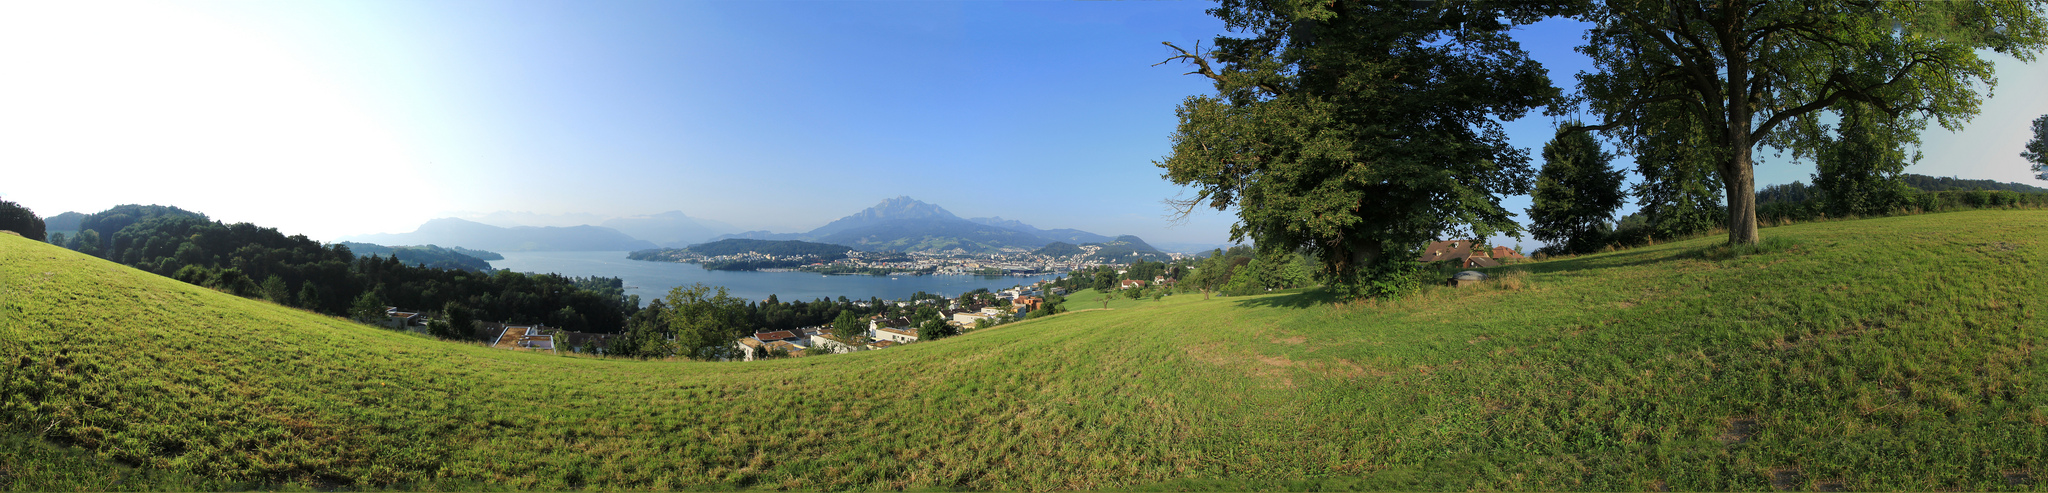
(1896, 353)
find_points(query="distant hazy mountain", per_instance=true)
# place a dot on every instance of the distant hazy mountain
(470, 234)
(953, 235)
(1060, 235)
(890, 210)
(905, 224)
(63, 222)
(514, 219)
(764, 235)
(670, 229)
(1127, 248)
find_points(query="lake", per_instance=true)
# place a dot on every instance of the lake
(652, 280)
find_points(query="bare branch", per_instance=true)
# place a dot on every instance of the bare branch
(1201, 64)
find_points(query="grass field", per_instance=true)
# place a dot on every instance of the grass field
(1882, 354)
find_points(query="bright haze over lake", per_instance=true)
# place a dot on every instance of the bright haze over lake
(653, 280)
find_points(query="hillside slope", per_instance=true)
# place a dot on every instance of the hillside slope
(1897, 353)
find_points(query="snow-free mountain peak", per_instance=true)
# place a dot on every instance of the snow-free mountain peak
(896, 209)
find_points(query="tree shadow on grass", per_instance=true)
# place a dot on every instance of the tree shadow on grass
(1302, 299)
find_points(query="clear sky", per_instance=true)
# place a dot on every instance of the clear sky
(331, 118)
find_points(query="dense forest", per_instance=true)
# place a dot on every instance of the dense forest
(259, 262)
(427, 255)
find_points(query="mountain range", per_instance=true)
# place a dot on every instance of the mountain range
(906, 224)
(897, 224)
(470, 234)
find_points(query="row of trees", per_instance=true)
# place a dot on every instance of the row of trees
(21, 220)
(1356, 130)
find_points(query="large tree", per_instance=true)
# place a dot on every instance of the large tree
(1357, 130)
(1748, 71)
(1576, 194)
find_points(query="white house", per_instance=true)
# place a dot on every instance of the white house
(819, 340)
(967, 319)
(892, 334)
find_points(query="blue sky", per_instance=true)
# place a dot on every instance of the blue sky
(332, 118)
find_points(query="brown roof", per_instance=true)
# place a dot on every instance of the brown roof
(1502, 252)
(1446, 250)
(1480, 262)
(775, 336)
(908, 332)
(883, 344)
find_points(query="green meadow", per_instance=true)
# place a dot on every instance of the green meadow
(1881, 354)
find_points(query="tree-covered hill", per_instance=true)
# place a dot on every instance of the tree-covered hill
(426, 255)
(769, 247)
(1943, 183)
(255, 261)
(1879, 354)
(1059, 249)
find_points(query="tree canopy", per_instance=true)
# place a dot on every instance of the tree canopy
(1356, 130)
(1730, 76)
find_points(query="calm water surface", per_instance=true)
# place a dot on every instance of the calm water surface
(652, 280)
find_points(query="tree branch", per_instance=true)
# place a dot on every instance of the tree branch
(1201, 64)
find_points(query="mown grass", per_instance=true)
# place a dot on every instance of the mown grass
(1896, 353)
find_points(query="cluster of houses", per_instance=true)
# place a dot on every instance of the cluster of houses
(1140, 283)
(502, 336)
(881, 333)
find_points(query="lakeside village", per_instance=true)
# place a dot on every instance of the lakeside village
(928, 316)
(855, 262)
(897, 322)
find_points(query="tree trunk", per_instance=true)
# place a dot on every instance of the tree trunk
(1365, 253)
(1739, 175)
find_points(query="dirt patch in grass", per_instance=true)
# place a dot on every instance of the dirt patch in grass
(1737, 430)
(1786, 479)
(1296, 340)
(2021, 477)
